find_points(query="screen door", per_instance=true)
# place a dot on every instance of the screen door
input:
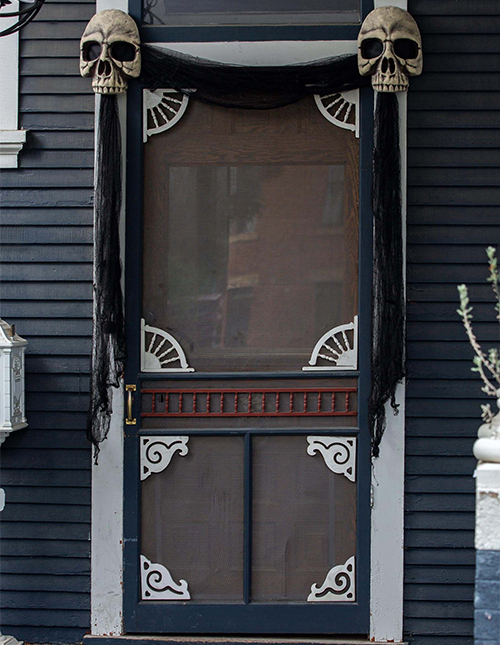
(246, 462)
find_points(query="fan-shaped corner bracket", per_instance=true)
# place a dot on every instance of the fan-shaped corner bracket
(341, 109)
(161, 110)
(336, 350)
(161, 352)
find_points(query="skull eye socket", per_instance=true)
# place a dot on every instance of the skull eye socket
(123, 52)
(91, 51)
(405, 48)
(371, 48)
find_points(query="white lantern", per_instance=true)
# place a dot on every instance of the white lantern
(12, 349)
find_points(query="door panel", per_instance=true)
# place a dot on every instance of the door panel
(303, 519)
(246, 503)
(192, 518)
(250, 235)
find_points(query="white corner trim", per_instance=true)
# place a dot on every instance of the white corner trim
(106, 598)
(386, 588)
(11, 138)
(388, 485)
(386, 605)
(107, 529)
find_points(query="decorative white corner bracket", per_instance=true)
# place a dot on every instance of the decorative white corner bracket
(156, 580)
(338, 347)
(339, 454)
(161, 352)
(339, 585)
(161, 109)
(157, 453)
(341, 109)
(157, 583)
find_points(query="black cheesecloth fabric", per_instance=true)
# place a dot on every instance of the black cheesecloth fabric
(244, 87)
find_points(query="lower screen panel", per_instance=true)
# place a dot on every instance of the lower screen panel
(301, 517)
(304, 519)
(192, 518)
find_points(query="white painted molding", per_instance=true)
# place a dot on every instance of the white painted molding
(387, 521)
(107, 529)
(106, 598)
(157, 453)
(11, 144)
(157, 583)
(339, 585)
(402, 4)
(388, 472)
(487, 537)
(284, 52)
(339, 454)
(11, 138)
(335, 348)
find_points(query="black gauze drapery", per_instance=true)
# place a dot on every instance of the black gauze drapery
(251, 87)
(237, 86)
(108, 347)
(388, 307)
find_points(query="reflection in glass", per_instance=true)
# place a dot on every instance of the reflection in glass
(256, 261)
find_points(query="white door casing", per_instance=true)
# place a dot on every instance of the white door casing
(386, 579)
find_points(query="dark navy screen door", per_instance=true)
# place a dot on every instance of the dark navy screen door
(247, 459)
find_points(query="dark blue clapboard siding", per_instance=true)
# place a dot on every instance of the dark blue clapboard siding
(454, 194)
(46, 290)
(453, 201)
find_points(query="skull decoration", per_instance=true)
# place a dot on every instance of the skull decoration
(110, 51)
(389, 49)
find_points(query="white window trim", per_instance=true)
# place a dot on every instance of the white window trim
(11, 138)
(386, 573)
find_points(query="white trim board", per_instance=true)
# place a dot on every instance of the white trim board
(386, 605)
(11, 138)
(106, 596)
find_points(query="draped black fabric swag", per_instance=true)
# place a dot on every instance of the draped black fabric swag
(257, 88)
(236, 86)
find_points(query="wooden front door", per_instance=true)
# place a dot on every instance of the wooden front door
(246, 469)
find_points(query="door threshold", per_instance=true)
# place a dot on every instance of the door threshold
(138, 639)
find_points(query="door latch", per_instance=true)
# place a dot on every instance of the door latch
(129, 419)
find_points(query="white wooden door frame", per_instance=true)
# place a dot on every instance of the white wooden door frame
(386, 602)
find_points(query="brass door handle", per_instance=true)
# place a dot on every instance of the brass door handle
(130, 420)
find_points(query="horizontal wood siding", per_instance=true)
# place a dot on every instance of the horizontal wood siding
(453, 200)
(453, 214)
(46, 290)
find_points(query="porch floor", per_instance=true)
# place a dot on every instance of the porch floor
(224, 640)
